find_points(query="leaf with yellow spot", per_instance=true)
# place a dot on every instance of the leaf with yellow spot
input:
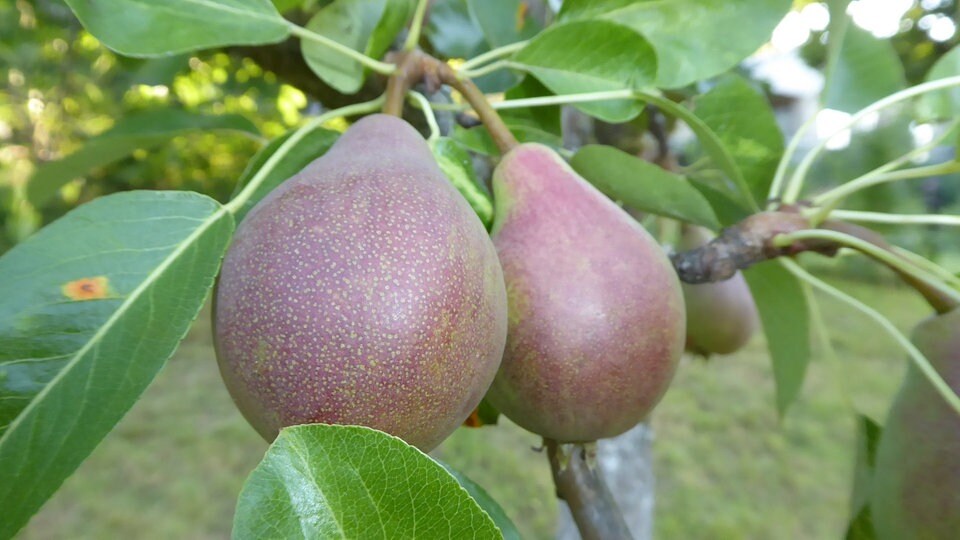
(71, 368)
(90, 288)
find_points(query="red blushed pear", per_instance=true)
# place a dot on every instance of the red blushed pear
(596, 317)
(722, 316)
(915, 494)
(362, 291)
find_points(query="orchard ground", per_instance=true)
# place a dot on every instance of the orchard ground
(726, 466)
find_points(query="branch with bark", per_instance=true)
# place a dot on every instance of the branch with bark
(579, 483)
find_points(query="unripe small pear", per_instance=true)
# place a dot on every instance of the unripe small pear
(721, 316)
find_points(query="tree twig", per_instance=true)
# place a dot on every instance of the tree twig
(743, 245)
(499, 132)
(752, 241)
(940, 302)
(409, 72)
(579, 483)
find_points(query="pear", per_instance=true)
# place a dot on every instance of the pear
(916, 484)
(596, 316)
(721, 317)
(364, 290)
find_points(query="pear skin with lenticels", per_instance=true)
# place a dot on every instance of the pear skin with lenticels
(362, 291)
(596, 316)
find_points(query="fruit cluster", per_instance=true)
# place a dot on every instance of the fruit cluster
(364, 290)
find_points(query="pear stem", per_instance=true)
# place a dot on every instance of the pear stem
(499, 132)
(409, 72)
(579, 483)
(417, 66)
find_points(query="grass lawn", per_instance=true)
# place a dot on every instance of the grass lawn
(727, 466)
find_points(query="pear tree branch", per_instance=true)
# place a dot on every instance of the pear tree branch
(578, 482)
(786, 232)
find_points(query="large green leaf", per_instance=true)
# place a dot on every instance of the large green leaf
(863, 70)
(503, 21)
(396, 14)
(91, 307)
(302, 153)
(727, 210)
(737, 188)
(592, 56)
(694, 39)
(367, 26)
(456, 164)
(945, 104)
(451, 30)
(642, 185)
(478, 138)
(143, 130)
(744, 122)
(154, 28)
(323, 481)
(545, 118)
(782, 306)
(490, 506)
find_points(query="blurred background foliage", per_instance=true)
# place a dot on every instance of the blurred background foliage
(62, 87)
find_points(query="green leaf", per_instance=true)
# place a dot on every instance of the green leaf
(489, 505)
(866, 69)
(503, 21)
(546, 119)
(487, 413)
(642, 185)
(592, 56)
(452, 31)
(396, 14)
(861, 527)
(323, 481)
(944, 104)
(693, 39)
(738, 190)
(782, 306)
(284, 6)
(478, 138)
(456, 164)
(868, 437)
(746, 126)
(728, 211)
(91, 307)
(147, 28)
(143, 130)
(348, 22)
(306, 150)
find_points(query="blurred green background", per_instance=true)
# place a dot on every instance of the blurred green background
(726, 465)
